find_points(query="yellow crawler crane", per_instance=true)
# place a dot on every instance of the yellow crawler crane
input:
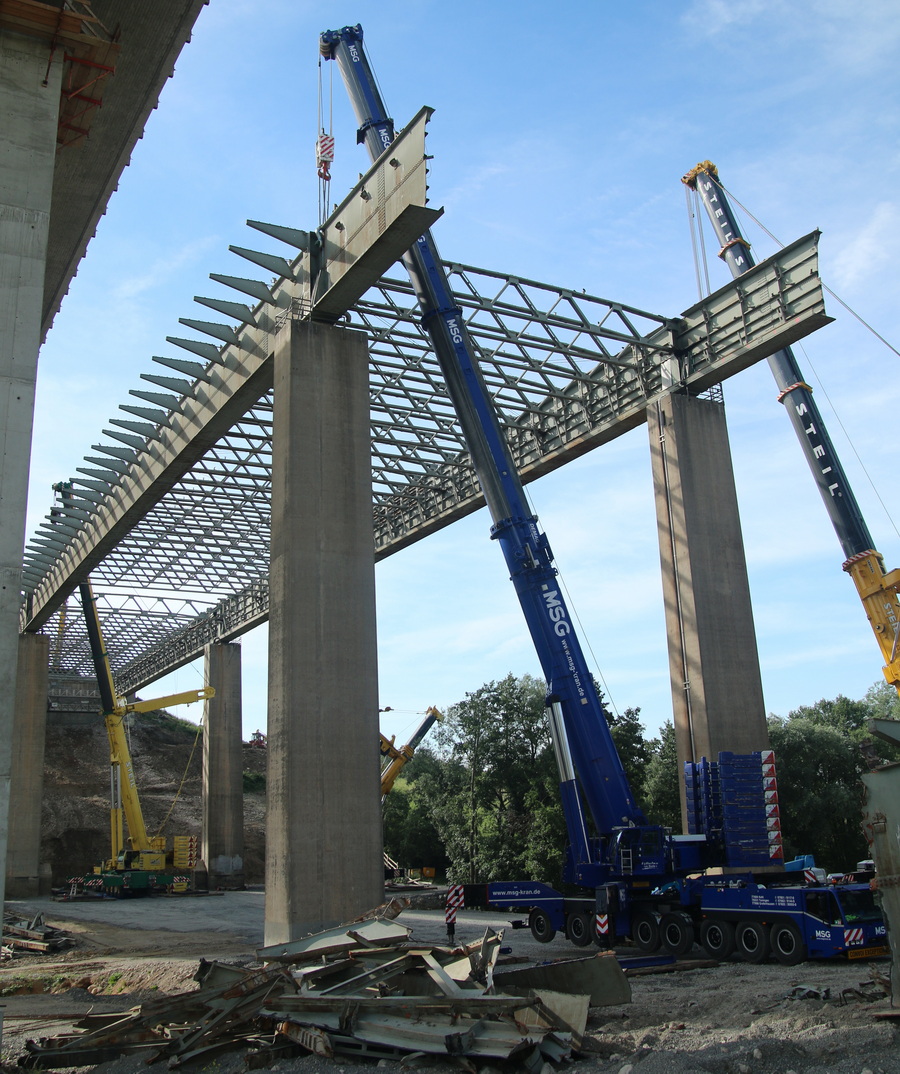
(139, 864)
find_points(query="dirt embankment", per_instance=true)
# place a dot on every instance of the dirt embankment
(166, 751)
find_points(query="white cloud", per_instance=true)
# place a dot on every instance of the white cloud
(857, 38)
(870, 250)
(712, 17)
(162, 269)
(474, 181)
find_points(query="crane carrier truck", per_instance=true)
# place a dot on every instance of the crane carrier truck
(723, 883)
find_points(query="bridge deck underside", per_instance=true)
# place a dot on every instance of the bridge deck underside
(567, 371)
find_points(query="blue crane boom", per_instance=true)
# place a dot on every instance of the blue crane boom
(580, 730)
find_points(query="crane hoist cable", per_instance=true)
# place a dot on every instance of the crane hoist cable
(692, 192)
(325, 144)
(184, 776)
(695, 224)
(835, 296)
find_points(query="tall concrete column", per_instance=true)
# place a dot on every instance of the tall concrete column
(223, 796)
(717, 694)
(23, 857)
(29, 106)
(324, 861)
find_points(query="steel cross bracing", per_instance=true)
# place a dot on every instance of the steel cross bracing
(567, 371)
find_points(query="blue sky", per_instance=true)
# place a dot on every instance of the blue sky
(559, 137)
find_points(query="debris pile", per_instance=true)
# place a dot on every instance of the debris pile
(31, 937)
(363, 989)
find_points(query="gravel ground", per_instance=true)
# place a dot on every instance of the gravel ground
(732, 1017)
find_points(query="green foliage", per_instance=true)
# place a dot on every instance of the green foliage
(633, 749)
(818, 766)
(254, 782)
(483, 801)
(662, 781)
(847, 717)
(165, 721)
(499, 815)
(410, 836)
(883, 700)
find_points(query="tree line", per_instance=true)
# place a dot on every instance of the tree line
(480, 801)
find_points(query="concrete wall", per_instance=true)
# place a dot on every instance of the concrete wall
(717, 695)
(323, 843)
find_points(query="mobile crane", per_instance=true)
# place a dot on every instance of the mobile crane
(394, 758)
(143, 865)
(877, 588)
(644, 883)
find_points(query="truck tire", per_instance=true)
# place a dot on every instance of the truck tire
(645, 931)
(787, 942)
(541, 927)
(676, 931)
(580, 929)
(717, 937)
(752, 940)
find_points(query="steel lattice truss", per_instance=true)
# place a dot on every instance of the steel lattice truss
(566, 370)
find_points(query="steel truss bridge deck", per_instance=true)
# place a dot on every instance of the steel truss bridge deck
(171, 520)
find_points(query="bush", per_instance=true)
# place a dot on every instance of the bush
(254, 782)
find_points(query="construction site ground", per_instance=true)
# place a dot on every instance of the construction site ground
(693, 1016)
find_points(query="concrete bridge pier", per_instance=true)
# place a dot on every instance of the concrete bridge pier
(324, 860)
(23, 857)
(222, 795)
(29, 104)
(717, 694)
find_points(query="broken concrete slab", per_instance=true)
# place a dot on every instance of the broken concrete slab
(600, 977)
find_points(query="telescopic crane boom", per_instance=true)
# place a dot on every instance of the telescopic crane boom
(877, 588)
(581, 735)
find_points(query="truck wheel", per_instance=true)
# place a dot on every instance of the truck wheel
(787, 943)
(645, 931)
(541, 927)
(676, 930)
(718, 938)
(579, 929)
(752, 941)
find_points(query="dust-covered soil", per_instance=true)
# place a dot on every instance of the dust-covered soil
(167, 758)
(697, 1016)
